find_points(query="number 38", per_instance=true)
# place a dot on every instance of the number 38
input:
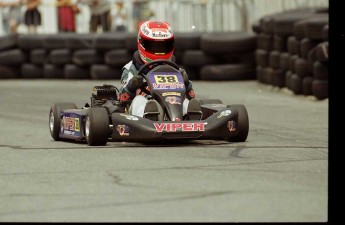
(166, 79)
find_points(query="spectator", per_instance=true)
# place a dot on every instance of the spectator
(66, 15)
(120, 17)
(32, 16)
(11, 15)
(100, 14)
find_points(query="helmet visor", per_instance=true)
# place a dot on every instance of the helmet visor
(157, 46)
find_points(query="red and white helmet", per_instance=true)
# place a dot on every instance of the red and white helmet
(155, 41)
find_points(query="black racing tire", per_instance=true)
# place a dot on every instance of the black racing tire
(117, 57)
(55, 41)
(279, 43)
(51, 71)
(77, 41)
(97, 126)
(110, 40)
(293, 58)
(72, 71)
(13, 57)
(87, 57)
(228, 72)
(288, 75)
(306, 46)
(268, 75)
(31, 41)
(105, 72)
(55, 118)
(320, 89)
(301, 68)
(265, 42)
(261, 57)
(242, 123)
(39, 56)
(260, 74)
(284, 61)
(228, 42)
(210, 101)
(296, 84)
(314, 26)
(187, 41)
(293, 46)
(274, 59)
(60, 56)
(311, 59)
(279, 78)
(9, 72)
(131, 41)
(192, 71)
(322, 52)
(306, 85)
(31, 71)
(8, 41)
(199, 58)
(320, 70)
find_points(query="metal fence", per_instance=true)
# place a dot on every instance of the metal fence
(183, 15)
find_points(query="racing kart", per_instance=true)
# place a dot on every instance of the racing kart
(106, 120)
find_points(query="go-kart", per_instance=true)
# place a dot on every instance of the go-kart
(106, 120)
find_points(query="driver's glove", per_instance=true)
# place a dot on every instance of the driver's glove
(184, 75)
(137, 81)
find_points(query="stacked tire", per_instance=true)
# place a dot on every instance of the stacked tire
(11, 57)
(286, 51)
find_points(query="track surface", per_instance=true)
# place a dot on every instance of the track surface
(280, 174)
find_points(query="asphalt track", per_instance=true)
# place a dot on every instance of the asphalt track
(280, 174)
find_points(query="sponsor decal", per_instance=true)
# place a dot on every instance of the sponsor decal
(224, 113)
(174, 127)
(123, 130)
(159, 35)
(167, 81)
(232, 126)
(76, 124)
(173, 100)
(69, 132)
(70, 123)
(171, 93)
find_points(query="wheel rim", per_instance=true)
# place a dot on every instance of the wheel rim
(51, 122)
(87, 127)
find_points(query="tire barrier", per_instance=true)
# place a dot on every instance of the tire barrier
(102, 56)
(292, 51)
(286, 50)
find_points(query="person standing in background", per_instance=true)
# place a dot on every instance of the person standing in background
(11, 15)
(32, 16)
(66, 15)
(120, 18)
(100, 14)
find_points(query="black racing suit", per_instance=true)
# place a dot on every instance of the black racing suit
(128, 92)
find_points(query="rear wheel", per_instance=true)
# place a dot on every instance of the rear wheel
(55, 118)
(97, 126)
(242, 124)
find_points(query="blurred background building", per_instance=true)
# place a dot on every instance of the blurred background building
(183, 15)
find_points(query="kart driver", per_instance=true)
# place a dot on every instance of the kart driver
(155, 41)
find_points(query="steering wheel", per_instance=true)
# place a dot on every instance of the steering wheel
(154, 62)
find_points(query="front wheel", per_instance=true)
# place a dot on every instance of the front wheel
(97, 126)
(55, 118)
(242, 124)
